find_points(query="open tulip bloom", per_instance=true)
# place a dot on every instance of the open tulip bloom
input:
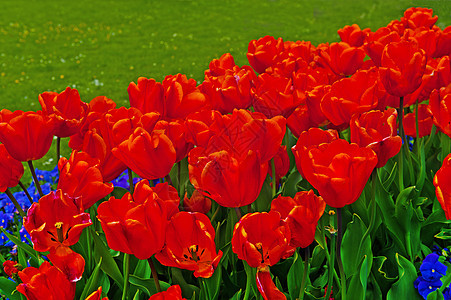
(314, 172)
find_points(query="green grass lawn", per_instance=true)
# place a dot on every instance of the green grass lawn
(99, 47)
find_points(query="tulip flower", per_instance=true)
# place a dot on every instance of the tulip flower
(262, 53)
(402, 67)
(439, 104)
(312, 137)
(169, 195)
(134, 224)
(11, 267)
(47, 282)
(442, 183)
(172, 293)
(353, 35)
(11, 170)
(378, 131)
(81, 179)
(338, 166)
(260, 239)
(356, 94)
(147, 95)
(230, 180)
(54, 224)
(67, 110)
(341, 58)
(228, 86)
(266, 286)
(190, 244)
(96, 295)
(151, 155)
(275, 96)
(197, 203)
(416, 17)
(301, 213)
(26, 135)
(424, 122)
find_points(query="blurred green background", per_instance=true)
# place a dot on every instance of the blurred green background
(99, 47)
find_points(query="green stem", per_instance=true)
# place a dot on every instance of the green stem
(331, 268)
(215, 214)
(16, 204)
(304, 276)
(168, 179)
(24, 188)
(238, 213)
(58, 149)
(154, 274)
(273, 174)
(35, 178)
(126, 270)
(417, 128)
(372, 207)
(340, 263)
(130, 181)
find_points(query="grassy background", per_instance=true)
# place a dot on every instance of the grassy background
(99, 47)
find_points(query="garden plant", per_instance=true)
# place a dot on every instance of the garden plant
(315, 172)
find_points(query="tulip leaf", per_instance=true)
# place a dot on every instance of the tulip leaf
(436, 295)
(294, 277)
(213, 283)
(403, 288)
(147, 285)
(91, 284)
(108, 265)
(142, 269)
(290, 186)
(25, 247)
(237, 295)
(355, 247)
(188, 290)
(263, 202)
(251, 284)
(8, 288)
(444, 234)
(118, 192)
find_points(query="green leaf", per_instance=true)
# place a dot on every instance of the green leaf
(355, 248)
(263, 202)
(92, 283)
(147, 285)
(436, 295)
(295, 274)
(119, 192)
(213, 283)
(7, 288)
(142, 269)
(403, 288)
(25, 247)
(290, 186)
(237, 295)
(108, 265)
(187, 289)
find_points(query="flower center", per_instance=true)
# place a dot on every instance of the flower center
(59, 231)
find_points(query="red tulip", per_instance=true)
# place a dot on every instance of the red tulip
(26, 135)
(281, 163)
(172, 293)
(338, 166)
(54, 221)
(151, 155)
(170, 197)
(424, 122)
(66, 109)
(228, 86)
(47, 282)
(442, 183)
(311, 138)
(376, 42)
(11, 267)
(341, 58)
(266, 286)
(190, 244)
(416, 17)
(260, 239)
(402, 67)
(439, 104)
(356, 94)
(134, 224)
(81, 179)
(378, 131)
(147, 95)
(229, 180)
(353, 35)
(197, 203)
(274, 96)
(11, 170)
(262, 53)
(301, 214)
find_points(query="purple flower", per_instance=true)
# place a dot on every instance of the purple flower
(431, 269)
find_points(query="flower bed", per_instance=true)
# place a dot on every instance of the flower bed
(327, 175)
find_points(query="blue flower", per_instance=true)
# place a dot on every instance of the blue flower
(431, 269)
(426, 287)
